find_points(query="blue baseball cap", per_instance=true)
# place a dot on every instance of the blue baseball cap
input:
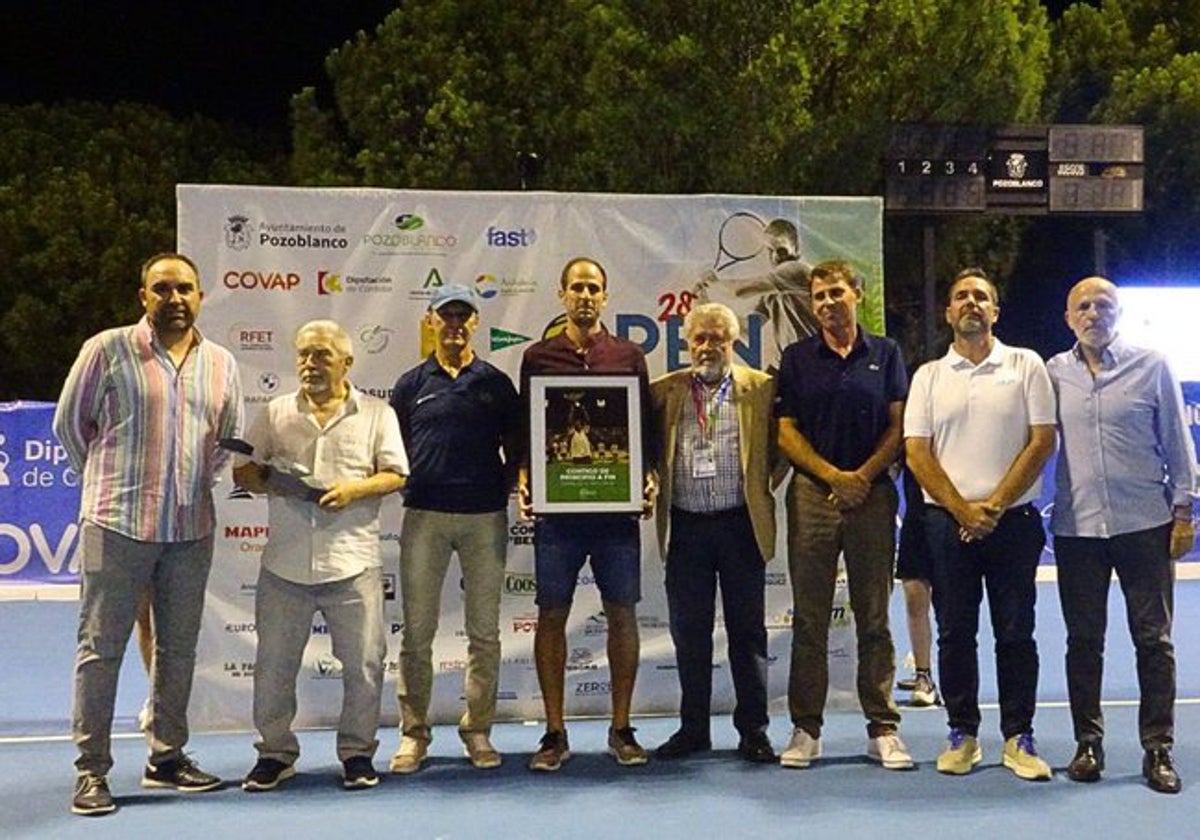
(451, 293)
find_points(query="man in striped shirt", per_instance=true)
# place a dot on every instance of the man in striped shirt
(140, 416)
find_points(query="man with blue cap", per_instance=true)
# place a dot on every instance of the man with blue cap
(460, 422)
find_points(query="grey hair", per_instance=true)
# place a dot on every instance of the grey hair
(324, 326)
(712, 313)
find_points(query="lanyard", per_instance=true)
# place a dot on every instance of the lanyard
(699, 402)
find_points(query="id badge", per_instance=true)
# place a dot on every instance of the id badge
(704, 460)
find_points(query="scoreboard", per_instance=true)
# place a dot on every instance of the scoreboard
(937, 169)
(1096, 168)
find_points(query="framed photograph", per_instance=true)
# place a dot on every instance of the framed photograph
(585, 452)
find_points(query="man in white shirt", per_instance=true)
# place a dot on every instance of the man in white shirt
(324, 455)
(979, 427)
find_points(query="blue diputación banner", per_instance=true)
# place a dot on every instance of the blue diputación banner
(39, 499)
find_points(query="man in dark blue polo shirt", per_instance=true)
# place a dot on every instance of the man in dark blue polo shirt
(841, 410)
(460, 420)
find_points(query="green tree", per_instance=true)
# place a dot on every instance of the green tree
(1138, 61)
(89, 193)
(838, 74)
(759, 96)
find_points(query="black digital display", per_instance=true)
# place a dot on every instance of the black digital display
(1095, 195)
(1096, 168)
(916, 193)
(1099, 143)
(936, 168)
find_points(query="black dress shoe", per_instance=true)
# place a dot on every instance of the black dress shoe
(755, 747)
(1159, 771)
(1088, 762)
(683, 744)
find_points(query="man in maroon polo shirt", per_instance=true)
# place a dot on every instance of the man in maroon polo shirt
(610, 542)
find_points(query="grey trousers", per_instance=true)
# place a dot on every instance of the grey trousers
(283, 614)
(115, 571)
(426, 543)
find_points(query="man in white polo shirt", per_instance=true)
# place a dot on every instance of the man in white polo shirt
(979, 427)
(324, 455)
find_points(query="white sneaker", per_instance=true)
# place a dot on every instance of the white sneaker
(889, 751)
(410, 756)
(801, 751)
(479, 749)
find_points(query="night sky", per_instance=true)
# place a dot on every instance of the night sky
(240, 61)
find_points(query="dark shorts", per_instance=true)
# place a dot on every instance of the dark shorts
(912, 557)
(564, 542)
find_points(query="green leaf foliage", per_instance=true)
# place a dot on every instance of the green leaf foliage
(87, 192)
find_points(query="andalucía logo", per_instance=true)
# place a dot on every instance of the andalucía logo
(485, 286)
(503, 338)
(328, 283)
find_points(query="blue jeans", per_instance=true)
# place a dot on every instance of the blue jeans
(1006, 563)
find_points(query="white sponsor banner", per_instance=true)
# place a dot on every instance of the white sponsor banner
(273, 258)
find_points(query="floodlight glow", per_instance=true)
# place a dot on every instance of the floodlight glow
(1165, 318)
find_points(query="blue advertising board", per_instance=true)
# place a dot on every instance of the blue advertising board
(39, 499)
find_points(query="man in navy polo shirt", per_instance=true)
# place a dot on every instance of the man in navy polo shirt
(841, 411)
(460, 422)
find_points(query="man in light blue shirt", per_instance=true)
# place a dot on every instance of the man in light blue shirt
(1123, 501)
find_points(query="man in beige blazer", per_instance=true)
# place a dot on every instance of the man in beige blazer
(716, 523)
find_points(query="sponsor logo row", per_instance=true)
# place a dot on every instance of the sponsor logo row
(404, 234)
(324, 282)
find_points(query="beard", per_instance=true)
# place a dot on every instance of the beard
(971, 324)
(712, 371)
(173, 320)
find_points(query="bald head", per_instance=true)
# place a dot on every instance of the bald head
(1092, 285)
(1092, 313)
